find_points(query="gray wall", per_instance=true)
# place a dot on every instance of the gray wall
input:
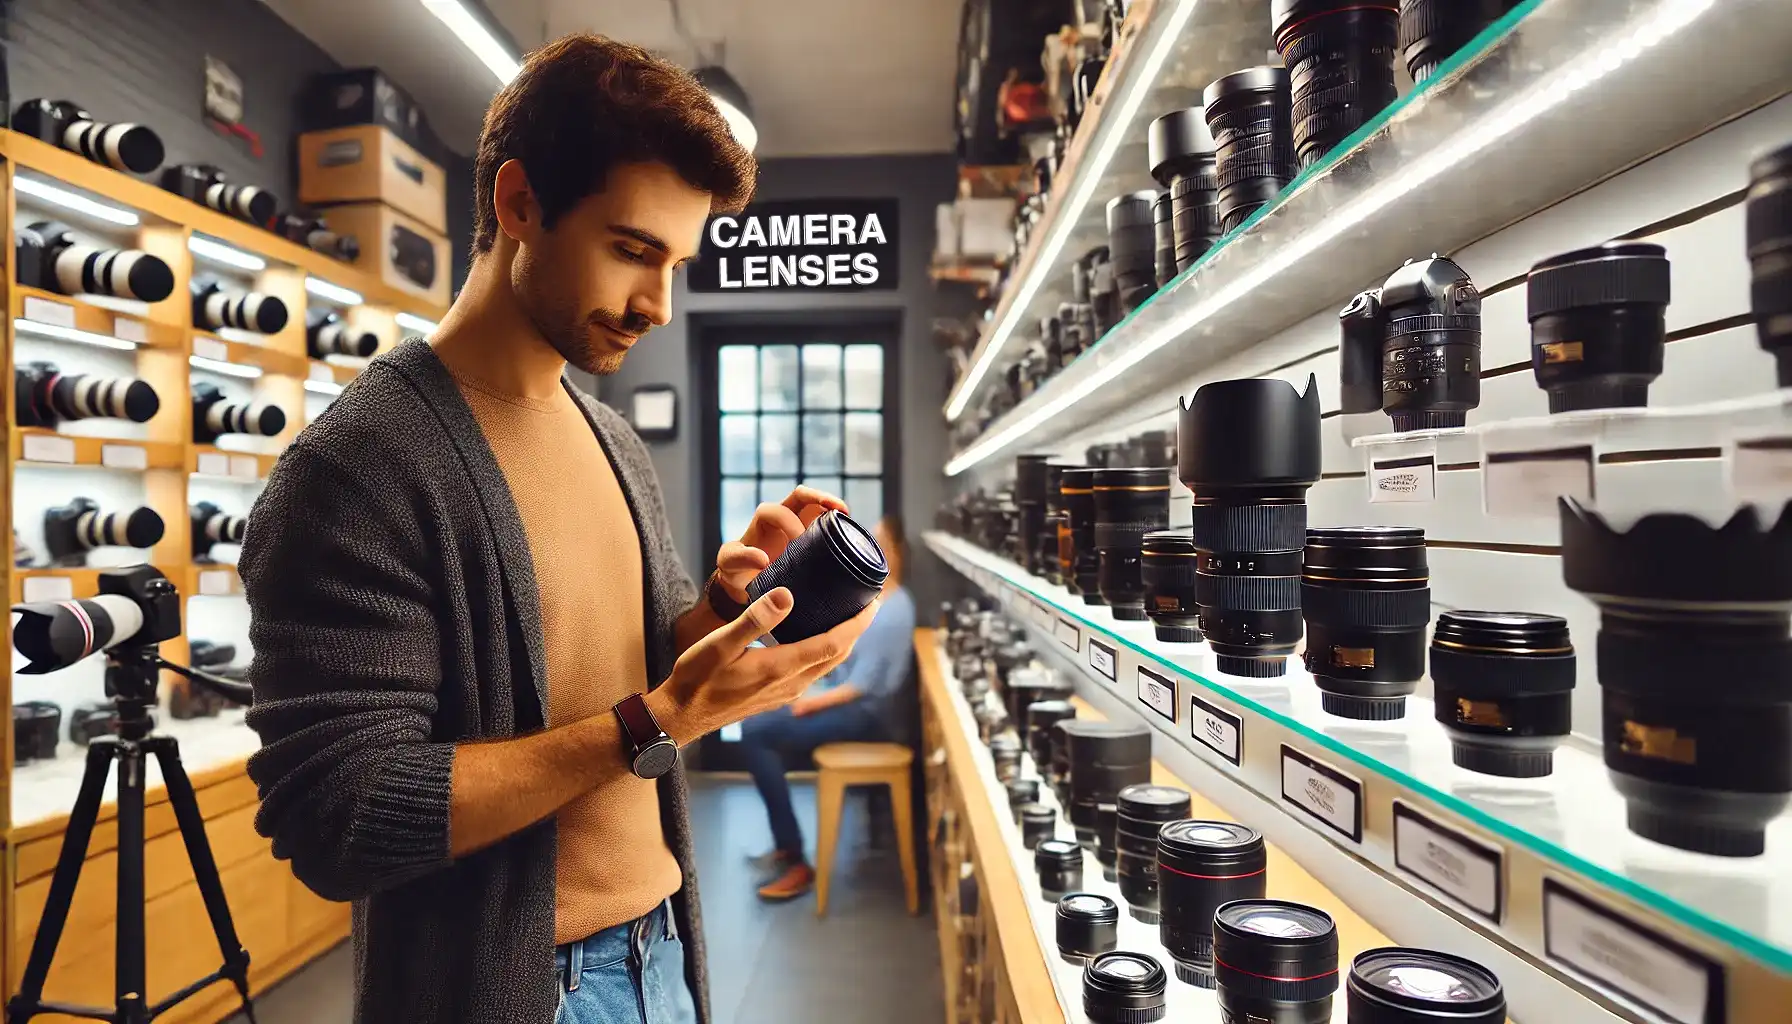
(665, 355)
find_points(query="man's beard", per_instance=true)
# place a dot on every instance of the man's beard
(571, 335)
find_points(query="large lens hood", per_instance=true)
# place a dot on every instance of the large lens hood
(1255, 436)
(1177, 141)
(1679, 557)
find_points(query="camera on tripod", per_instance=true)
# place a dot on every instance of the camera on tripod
(206, 185)
(212, 525)
(123, 147)
(46, 397)
(74, 529)
(215, 415)
(49, 256)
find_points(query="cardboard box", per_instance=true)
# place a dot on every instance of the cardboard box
(402, 251)
(368, 163)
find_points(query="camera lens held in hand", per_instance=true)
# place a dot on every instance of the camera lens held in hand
(1167, 565)
(1769, 233)
(215, 308)
(212, 525)
(1180, 150)
(1250, 113)
(122, 147)
(214, 416)
(1598, 323)
(207, 185)
(74, 529)
(329, 335)
(1431, 31)
(1128, 504)
(49, 256)
(1366, 597)
(1415, 986)
(46, 397)
(833, 570)
(1503, 683)
(1124, 988)
(1201, 867)
(1431, 358)
(1081, 565)
(1340, 58)
(1275, 961)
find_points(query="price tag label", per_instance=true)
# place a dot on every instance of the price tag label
(214, 464)
(1761, 468)
(1461, 867)
(1101, 658)
(1218, 730)
(60, 314)
(245, 467)
(48, 448)
(1067, 633)
(48, 588)
(1157, 693)
(322, 371)
(211, 348)
(1528, 483)
(1323, 793)
(124, 456)
(1638, 963)
(1411, 479)
(214, 582)
(126, 329)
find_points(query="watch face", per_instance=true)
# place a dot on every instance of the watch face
(656, 759)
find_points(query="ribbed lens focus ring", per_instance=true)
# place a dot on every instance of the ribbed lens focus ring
(1129, 503)
(1202, 866)
(1598, 324)
(1365, 597)
(1341, 71)
(1276, 960)
(1167, 565)
(1250, 114)
(1124, 988)
(1769, 234)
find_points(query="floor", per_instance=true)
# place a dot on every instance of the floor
(868, 961)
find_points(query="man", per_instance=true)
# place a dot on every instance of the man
(463, 593)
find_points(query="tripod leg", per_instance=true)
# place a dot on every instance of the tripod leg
(205, 867)
(28, 1002)
(132, 980)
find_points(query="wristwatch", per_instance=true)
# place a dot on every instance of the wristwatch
(651, 753)
(725, 607)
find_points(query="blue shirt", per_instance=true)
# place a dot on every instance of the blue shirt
(879, 663)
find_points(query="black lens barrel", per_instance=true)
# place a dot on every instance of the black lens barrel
(1364, 330)
(1037, 823)
(1059, 863)
(1124, 988)
(1040, 719)
(1769, 234)
(1129, 503)
(1366, 597)
(1182, 159)
(1431, 31)
(1132, 241)
(1275, 960)
(1087, 926)
(1503, 684)
(1340, 56)
(1167, 566)
(1163, 233)
(833, 569)
(1598, 323)
(1250, 114)
(1392, 985)
(1202, 866)
(1139, 811)
(1082, 575)
(1104, 758)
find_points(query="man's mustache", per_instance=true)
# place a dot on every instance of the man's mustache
(631, 322)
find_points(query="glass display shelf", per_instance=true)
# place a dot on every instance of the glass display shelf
(1736, 913)
(1552, 98)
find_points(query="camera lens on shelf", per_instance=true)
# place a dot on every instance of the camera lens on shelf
(1275, 961)
(1431, 359)
(1029, 497)
(1695, 670)
(1054, 532)
(1082, 570)
(1249, 113)
(1132, 243)
(1060, 866)
(833, 570)
(1088, 926)
(1598, 322)
(1005, 751)
(1769, 234)
(1124, 988)
(1431, 31)
(1181, 152)
(1366, 597)
(1040, 719)
(1392, 985)
(1340, 56)
(1503, 684)
(1201, 867)
(1163, 233)
(1073, 326)
(1167, 566)
(1139, 812)
(1249, 449)
(1060, 760)
(1104, 292)
(1021, 792)
(1105, 757)
(1364, 331)
(1128, 504)
(1037, 823)
(1105, 852)
(1030, 687)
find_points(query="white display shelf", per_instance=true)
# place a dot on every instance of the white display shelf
(1724, 927)
(1502, 131)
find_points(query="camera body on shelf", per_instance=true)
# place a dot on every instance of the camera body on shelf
(124, 147)
(48, 255)
(46, 397)
(215, 415)
(208, 186)
(74, 529)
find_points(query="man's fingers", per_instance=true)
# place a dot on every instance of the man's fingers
(828, 648)
(800, 499)
(736, 556)
(726, 643)
(773, 528)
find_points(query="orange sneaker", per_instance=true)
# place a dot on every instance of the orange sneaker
(796, 881)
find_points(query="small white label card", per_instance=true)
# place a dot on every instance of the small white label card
(1467, 870)
(215, 581)
(211, 348)
(1635, 961)
(48, 448)
(1407, 479)
(245, 467)
(321, 371)
(61, 314)
(214, 464)
(1324, 793)
(124, 456)
(126, 329)
(1761, 468)
(1101, 658)
(49, 588)
(1157, 693)
(1527, 483)
(1218, 729)
(1067, 633)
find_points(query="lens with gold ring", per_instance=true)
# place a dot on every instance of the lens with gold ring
(1504, 684)
(1366, 597)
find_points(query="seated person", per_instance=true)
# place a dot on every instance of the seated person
(857, 702)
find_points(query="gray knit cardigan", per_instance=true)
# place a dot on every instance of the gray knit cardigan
(394, 613)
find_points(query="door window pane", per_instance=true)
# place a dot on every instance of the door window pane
(776, 488)
(864, 376)
(830, 484)
(738, 377)
(739, 498)
(778, 377)
(821, 376)
(777, 443)
(864, 442)
(740, 447)
(865, 497)
(821, 442)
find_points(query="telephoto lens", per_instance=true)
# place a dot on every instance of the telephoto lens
(1695, 670)
(1180, 148)
(1037, 823)
(315, 235)
(1105, 758)
(1769, 235)
(207, 185)
(1082, 567)
(1363, 332)
(330, 335)
(1020, 792)
(1133, 245)
(1005, 751)
(1088, 926)
(1431, 31)
(74, 529)
(1124, 988)
(1431, 359)
(1365, 593)
(1392, 985)
(47, 255)
(1503, 683)
(1167, 565)
(214, 416)
(1139, 811)
(1041, 717)
(1249, 449)
(833, 570)
(1104, 293)
(1163, 233)
(1598, 322)
(1029, 496)
(214, 308)
(1340, 58)
(212, 525)
(1105, 852)
(122, 147)
(1129, 503)
(1054, 531)
(46, 396)
(1275, 961)
(1201, 867)
(1060, 866)
(1249, 113)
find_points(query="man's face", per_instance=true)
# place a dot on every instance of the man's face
(603, 276)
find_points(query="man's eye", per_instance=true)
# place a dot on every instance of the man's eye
(632, 255)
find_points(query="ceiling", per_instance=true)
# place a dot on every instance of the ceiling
(826, 77)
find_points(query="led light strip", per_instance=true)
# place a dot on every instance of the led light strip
(1045, 260)
(218, 252)
(227, 369)
(332, 292)
(412, 322)
(37, 188)
(1543, 96)
(61, 333)
(323, 387)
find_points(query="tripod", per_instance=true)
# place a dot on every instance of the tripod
(131, 680)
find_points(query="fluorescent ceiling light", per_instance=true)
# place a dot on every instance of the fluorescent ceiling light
(412, 322)
(1611, 54)
(324, 387)
(473, 34)
(731, 102)
(37, 188)
(332, 292)
(218, 252)
(61, 333)
(227, 369)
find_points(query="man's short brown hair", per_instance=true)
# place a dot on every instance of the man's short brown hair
(583, 104)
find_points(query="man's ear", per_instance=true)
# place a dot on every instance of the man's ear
(519, 215)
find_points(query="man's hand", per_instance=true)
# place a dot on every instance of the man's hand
(773, 527)
(721, 679)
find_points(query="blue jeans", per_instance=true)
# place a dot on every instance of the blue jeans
(769, 740)
(630, 974)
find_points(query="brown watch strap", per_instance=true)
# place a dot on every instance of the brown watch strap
(638, 722)
(723, 605)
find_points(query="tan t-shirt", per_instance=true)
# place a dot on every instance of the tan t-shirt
(613, 864)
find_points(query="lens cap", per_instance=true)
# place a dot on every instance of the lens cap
(1413, 986)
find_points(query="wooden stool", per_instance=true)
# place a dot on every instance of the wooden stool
(863, 764)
